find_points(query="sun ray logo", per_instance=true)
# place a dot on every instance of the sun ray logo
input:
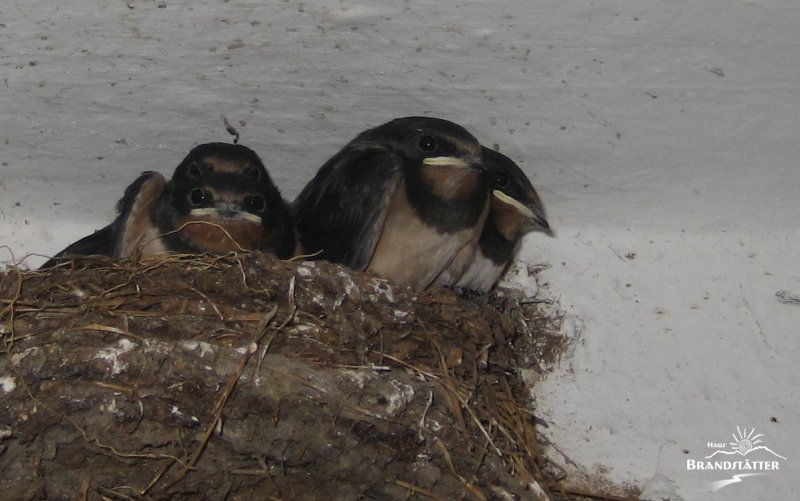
(744, 444)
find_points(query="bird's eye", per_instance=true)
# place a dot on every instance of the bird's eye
(255, 204)
(253, 172)
(500, 180)
(198, 197)
(427, 143)
(194, 170)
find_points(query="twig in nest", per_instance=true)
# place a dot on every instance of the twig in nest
(14, 263)
(105, 328)
(252, 347)
(7, 248)
(209, 301)
(292, 302)
(115, 387)
(468, 484)
(244, 278)
(481, 457)
(290, 318)
(84, 492)
(593, 495)
(418, 490)
(515, 423)
(261, 471)
(292, 309)
(303, 257)
(450, 388)
(465, 404)
(255, 472)
(10, 309)
(115, 494)
(414, 368)
(535, 300)
(425, 413)
(371, 367)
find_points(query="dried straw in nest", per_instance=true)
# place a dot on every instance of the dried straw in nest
(247, 377)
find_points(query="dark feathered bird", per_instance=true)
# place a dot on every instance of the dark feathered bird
(219, 199)
(515, 210)
(406, 200)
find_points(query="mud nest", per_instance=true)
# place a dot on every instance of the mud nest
(247, 377)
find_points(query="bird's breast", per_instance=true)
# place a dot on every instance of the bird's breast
(481, 274)
(217, 236)
(415, 252)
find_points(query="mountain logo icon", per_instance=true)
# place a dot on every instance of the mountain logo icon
(744, 443)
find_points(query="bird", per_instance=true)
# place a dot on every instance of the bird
(515, 209)
(219, 199)
(406, 200)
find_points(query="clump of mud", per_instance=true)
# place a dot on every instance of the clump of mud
(247, 377)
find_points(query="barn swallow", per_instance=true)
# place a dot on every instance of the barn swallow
(219, 199)
(515, 210)
(403, 200)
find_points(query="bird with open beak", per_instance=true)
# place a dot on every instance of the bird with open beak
(515, 209)
(406, 200)
(220, 199)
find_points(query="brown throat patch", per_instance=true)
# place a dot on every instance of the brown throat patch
(508, 219)
(217, 236)
(451, 182)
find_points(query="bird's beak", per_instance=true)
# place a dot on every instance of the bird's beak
(446, 162)
(533, 213)
(224, 210)
(542, 223)
(459, 162)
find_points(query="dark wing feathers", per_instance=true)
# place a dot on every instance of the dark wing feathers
(104, 241)
(134, 211)
(342, 210)
(99, 243)
(131, 192)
